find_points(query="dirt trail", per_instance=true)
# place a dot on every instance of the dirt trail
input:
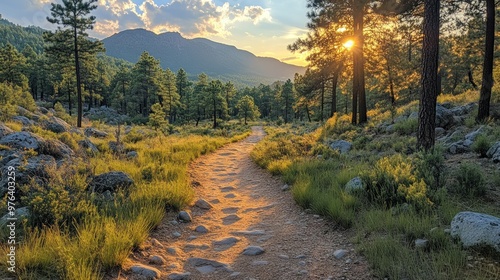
(249, 209)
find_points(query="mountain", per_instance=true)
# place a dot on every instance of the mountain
(199, 56)
(21, 37)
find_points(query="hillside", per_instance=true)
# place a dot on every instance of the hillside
(21, 37)
(198, 56)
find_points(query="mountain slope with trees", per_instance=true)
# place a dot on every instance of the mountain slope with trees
(198, 56)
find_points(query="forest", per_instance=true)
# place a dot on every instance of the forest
(390, 135)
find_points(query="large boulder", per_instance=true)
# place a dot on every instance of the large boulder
(341, 145)
(476, 229)
(111, 181)
(5, 130)
(56, 148)
(494, 152)
(22, 140)
(56, 125)
(34, 169)
(463, 110)
(19, 214)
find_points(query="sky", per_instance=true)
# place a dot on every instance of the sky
(263, 27)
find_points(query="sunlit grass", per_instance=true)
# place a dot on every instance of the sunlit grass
(102, 239)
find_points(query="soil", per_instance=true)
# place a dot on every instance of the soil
(249, 208)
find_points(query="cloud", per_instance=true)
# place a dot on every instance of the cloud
(199, 17)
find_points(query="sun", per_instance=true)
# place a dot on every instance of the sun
(348, 44)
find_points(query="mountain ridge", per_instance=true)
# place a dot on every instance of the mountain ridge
(198, 55)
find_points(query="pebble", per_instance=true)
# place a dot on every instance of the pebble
(172, 251)
(421, 243)
(302, 263)
(203, 204)
(156, 243)
(174, 222)
(260, 263)
(146, 271)
(158, 260)
(285, 187)
(176, 234)
(253, 251)
(185, 216)
(226, 241)
(201, 229)
(179, 276)
(338, 254)
(234, 274)
(285, 257)
(300, 257)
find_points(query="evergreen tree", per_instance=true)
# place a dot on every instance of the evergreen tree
(157, 117)
(487, 82)
(214, 99)
(121, 89)
(12, 67)
(184, 91)
(171, 97)
(247, 109)
(146, 76)
(287, 95)
(200, 93)
(73, 14)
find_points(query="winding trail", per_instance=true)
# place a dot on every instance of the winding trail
(249, 208)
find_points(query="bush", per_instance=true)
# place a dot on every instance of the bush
(470, 180)
(392, 182)
(430, 167)
(481, 145)
(407, 126)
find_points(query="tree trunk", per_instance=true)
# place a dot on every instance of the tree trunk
(430, 54)
(335, 79)
(358, 89)
(322, 100)
(78, 80)
(487, 83)
(215, 111)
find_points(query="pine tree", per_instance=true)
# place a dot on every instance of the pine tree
(287, 99)
(247, 109)
(171, 97)
(146, 76)
(12, 67)
(157, 118)
(73, 14)
(184, 91)
(200, 93)
(487, 83)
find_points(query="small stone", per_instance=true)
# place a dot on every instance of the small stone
(285, 257)
(203, 204)
(158, 260)
(156, 243)
(303, 272)
(253, 251)
(229, 241)
(174, 222)
(300, 257)
(172, 251)
(260, 263)
(234, 274)
(176, 234)
(192, 237)
(421, 243)
(302, 263)
(179, 276)
(285, 187)
(338, 254)
(146, 271)
(316, 216)
(348, 261)
(185, 216)
(201, 229)
(447, 230)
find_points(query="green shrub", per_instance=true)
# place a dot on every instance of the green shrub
(407, 126)
(481, 145)
(470, 180)
(392, 182)
(431, 168)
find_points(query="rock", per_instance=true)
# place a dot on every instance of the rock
(476, 229)
(19, 214)
(88, 146)
(285, 187)
(203, 204)
(494, 152)
(230, 219)
(390, 128)
(116, 148)
(413, 115)
(341, 145)
(440, 131)
(260, 263)
(354, 185)
(463, 110)
(24, 120)
(56, 125)
(56, 148)
(156, 243)
(228, 241)
(22, 141)
(421, 243)
(338, 254)
(473, 135)
(92, 132)
(112, 181)
(197, 262)
(253, 251)
(283, 256)
(184, 216)
(132, 155)
(5, 130)
(43, 110)
(172, 251)
(176, 234)
(400, 119)
(458, 148)
(146, 271)
(201, 229)
(34, 168)
(107, 115)
(179, 276)
(158, 260)
(250, 232)
(444, 117)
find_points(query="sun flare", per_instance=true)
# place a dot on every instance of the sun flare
(348, 44)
